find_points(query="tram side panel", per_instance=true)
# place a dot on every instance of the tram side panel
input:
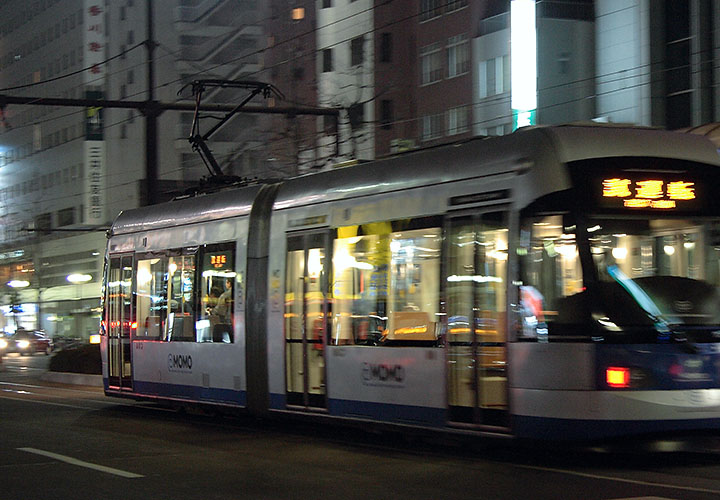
(384, 362)
(178, 349)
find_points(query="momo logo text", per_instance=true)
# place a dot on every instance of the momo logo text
(383, 374)
(179, 362)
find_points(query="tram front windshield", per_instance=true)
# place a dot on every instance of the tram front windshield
(646, 279)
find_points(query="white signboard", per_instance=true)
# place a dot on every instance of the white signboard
(94, 179)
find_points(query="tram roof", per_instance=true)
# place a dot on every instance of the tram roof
(545, 150)
(200, 208)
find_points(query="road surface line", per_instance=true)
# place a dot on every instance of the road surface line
(75, 461)
(28, 400)
(618, 479)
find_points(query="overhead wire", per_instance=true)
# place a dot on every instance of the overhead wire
(299, 36)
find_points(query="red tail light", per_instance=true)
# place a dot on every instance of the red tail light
(617, 377)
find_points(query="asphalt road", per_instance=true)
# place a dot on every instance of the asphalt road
(71, 442)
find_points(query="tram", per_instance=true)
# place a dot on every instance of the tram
(559, 282)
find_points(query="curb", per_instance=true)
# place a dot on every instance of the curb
(73, 378)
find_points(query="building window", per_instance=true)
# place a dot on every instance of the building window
(356, 115)
(430, 9)
(458, 56)
(453, 5)
(356, 51)
(326, 4)
(386, 114)
(564, 63)
(457, 120)
(432, 127)
(66, 217)
(43, 223)
(431, 63)
(327, 61)
(494, 77)
(386, 47)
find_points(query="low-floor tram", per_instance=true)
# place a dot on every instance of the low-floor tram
(555, 283)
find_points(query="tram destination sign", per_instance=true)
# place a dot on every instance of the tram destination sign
(648, 191)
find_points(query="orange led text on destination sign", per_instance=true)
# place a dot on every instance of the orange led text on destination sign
(650, 193)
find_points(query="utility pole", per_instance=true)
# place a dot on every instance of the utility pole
(151, 109)
(151, 112)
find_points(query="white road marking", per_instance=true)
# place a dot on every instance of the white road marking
(75, 461)
(619, 479)
(642, 498)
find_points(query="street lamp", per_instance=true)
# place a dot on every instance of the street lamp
(77, 279)
(14, 297)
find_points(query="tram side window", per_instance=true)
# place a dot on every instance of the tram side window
(151, 304)
(217, 294)
(386, 282)
(551, 277)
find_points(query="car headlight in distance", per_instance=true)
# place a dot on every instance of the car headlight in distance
(23, 344)
(3, 344)
(95, 339)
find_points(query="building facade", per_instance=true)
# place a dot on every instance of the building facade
(404, 75)
(657, 62)
(66, 172)
(52, 167)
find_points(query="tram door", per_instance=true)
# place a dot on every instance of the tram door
(119, 320)
(476, 311)
(306, 310)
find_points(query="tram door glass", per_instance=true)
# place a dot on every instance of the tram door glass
(120, 321)
(152, 286)
(306, 311)
(476, 310)
(180, 284)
